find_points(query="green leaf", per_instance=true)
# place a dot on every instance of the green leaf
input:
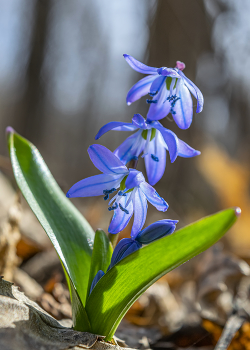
(79, 316)
(101, 256)
(67, 229)
(116, 291)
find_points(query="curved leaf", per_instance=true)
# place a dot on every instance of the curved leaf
(67, 229)
(118, 289)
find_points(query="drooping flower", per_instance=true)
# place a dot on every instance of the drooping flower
(133, 194)
(151, 233)
(151, 139)
(170, 89)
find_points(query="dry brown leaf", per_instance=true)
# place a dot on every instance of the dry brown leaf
(230, 181)
(26, 326)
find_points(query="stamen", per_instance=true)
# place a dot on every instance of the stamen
(113, 207)
(123, 209)
(156, 159)
(151, 101)
(153, 93)
(121, 193)
(107, 193)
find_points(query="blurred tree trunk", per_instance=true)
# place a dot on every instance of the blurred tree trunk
(30, 115)
(181, 31)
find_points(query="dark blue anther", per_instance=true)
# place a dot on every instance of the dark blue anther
(120, 193)
(113, 207)
(153, 93)
(123, 209)
(156, 159)
(151, 101)
(109, 191)
(106, 197)
(134, 158)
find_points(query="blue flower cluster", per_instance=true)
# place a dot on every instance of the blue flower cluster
(169, 90)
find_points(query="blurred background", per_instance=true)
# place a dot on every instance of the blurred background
(63, 76)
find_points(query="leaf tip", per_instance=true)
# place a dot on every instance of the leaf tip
(237, 211)
(9, 130)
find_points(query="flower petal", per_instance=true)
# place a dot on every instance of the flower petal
(104, 160)
(125, 247)
(168, 72)
(134, 178)
(118, 126)
(140, 211)
(126, 151)
(141, 88)
(171, 140)
(121, 218)
(155, 168)
(153, 197)
(160, 109)
(157, 84)
(155, 231)
(94, 185)
(185, 151)
(183, 109)
(138, 66)
(195, 91)
(97, 277)
(139, 121)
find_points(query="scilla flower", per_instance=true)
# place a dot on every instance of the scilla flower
(170, 89)
(151, 140)
(151, 233)
(133, 194)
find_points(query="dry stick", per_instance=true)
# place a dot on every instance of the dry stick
(233, 324)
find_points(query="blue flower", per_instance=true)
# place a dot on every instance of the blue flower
(153, 140)
(97, 277)
(170, 89)
(131, 198)
(151, 233)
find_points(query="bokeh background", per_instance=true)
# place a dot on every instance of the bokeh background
(62, 76)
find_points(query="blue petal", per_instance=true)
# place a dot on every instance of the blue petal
(125, 247)
(105, 160)
(138, 66)
(160, 109)
(118, 126)
(94, 185)
(125, 152)
(153, 197)
(140, 212)
(157, 84)
(171, 140)
(184, 150)
(134, 178)
(141, 88)
(155, 231)
(168, 72)
(139, 121)
(195, 91)
(183, 109)
(155, 169)
(120, 218)
(97, 277)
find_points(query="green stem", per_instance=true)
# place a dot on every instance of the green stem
(113, 238)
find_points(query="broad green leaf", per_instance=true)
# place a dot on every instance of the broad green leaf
(118, 289)
(101, 255)
(67, 229)
(79, 315)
